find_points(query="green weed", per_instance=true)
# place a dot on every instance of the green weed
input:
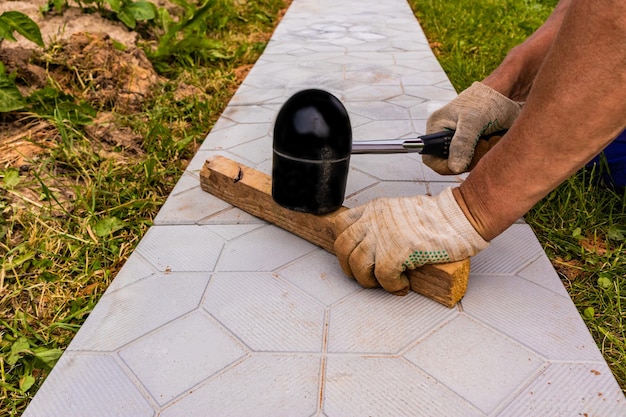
(128, 12)
(10, 22)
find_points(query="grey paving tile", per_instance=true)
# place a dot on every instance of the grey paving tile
(324, 47)
(375, 321)
(424, 108)
(257, 151)
(189, 207)
(405, 101)
(231, 231)
(222, 123)
(398, 167)
(383, 129)
(89, 385)
(320, 276)
(568, 389)
(427, 62)
(380, 386)
(536, 317)
(424, 78)
(414, 44)
(381, 92)
(260, 386)
(508, 253)
(386, 189)
(235, 135)
(378, 110)
(478, 363)
(358, 181)
(187, 180)
(248, 95)
(181, 248)
(232, 216)
(266, 313)
(430, 92)
(123, 316)
(356, 120)
(263, 249)
(253, 114)
(135, 269)
(181, 354)
(541, 272)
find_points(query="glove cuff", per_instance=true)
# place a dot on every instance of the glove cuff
(453, 214)
(486, 91)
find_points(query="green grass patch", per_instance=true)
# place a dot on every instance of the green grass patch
(581, 225)
(470, 38)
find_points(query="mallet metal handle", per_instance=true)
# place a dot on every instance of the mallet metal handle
(432, 144)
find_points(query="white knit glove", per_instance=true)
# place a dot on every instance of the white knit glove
(377, 241)
(478, 110)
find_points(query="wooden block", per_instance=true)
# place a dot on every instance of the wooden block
(251, 191)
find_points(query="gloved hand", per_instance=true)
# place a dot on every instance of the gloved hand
(379, 240)
(478, 110)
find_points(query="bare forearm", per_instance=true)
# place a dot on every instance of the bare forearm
(576, 106)
(515, 75)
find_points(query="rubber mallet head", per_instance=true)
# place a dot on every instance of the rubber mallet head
(312, 147)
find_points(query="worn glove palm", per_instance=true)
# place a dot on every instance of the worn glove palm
(379, 240)
(478, 110)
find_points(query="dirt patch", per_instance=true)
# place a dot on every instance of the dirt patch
(22, 142)
(94, 59)
(60, 27)
(120, 79)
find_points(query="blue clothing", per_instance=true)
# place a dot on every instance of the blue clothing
(613, 172)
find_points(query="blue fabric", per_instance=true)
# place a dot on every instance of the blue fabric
(614, 171)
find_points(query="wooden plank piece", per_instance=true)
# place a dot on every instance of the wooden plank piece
(251, 191)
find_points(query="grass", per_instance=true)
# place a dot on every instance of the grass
(581, 225)
(70, 219)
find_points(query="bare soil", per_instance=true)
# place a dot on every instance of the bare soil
(94, 59)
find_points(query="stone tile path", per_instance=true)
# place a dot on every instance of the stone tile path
(217, 313)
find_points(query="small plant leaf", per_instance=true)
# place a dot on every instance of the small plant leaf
(48, 356)
(617, 233)
(127, 18)
(11, 178)
(26, 382)
(116, 5)
(6, 31)
(141, 10)
(107, 226)
(10, 97)
(23, 25)
(589, 312)
(605, 282)
(19, 347)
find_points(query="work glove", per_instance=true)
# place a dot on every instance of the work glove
(379, 240)
(477, 111)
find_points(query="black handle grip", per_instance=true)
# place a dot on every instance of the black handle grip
(437, 143)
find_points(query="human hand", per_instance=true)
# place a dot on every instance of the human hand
(379, 240)
(478, 110)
